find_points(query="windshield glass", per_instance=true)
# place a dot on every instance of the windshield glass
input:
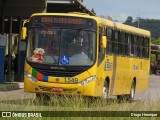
(61, 46)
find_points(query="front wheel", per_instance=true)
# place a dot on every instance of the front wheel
(105, 91)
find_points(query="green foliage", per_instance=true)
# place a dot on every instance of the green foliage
(153, 58)
(148, 24)
(129, 20)
(93, 11)
(76, 103)
(155, 41)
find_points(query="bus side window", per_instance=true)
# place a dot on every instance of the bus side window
(128, 42)
(119, 42)
(122, 43)
(146, 47)
(116, 42)
(138, 46)
(132, 45)
(143, 47)
(109, 34)
(135, 45)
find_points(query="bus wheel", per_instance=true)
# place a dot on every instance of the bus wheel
(105, 90)
(130, 97)
(121, 98)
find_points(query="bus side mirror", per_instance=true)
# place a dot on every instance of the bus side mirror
(23, 33)
(103, 41)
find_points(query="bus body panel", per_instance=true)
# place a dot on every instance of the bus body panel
(90, 89)
(126, 72)
(45, 87)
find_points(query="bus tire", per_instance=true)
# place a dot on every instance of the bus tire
(105, 91)
(131, 96)
(121, 98)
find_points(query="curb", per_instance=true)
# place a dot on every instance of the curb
(11, 86)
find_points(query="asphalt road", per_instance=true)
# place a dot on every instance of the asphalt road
(152, 94)
(15, 99)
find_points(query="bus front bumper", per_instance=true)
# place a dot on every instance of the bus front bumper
(59, 88)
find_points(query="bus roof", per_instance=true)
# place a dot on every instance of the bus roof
(106, 22)
(123, 27)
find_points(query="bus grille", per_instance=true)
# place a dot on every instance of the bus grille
(56, 73)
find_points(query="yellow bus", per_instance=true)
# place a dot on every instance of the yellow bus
(79, 54)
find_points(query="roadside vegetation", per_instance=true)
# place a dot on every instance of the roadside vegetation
(72, 103)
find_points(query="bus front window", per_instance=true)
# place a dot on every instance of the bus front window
(78, 46)
(63, 47)
(43, 46)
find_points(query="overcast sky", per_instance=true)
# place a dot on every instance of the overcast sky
(121, 9)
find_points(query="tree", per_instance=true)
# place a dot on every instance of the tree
(93, 11)
(129, 19)
(155, 41)
(147, 24)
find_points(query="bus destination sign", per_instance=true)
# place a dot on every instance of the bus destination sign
(57, 21)
(63, 20)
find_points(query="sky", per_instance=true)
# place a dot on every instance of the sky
(121, 9)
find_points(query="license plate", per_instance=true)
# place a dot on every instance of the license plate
(55, 89)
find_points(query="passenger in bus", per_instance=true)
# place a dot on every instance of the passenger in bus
(81, 56)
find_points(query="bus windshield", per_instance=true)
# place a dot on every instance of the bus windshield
(61, 46)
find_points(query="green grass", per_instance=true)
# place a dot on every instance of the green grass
(77, 103)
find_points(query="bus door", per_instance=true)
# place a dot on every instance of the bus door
(101, 63)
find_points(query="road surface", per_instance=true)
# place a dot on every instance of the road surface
(152, 94)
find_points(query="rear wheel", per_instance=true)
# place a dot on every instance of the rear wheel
(121, 98)
(129, 97)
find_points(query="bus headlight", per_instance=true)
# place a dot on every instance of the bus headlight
(88, 80)
(29, 76)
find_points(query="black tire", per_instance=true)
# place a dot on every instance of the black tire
(121, 98)
(129, 97)
(105, 91)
